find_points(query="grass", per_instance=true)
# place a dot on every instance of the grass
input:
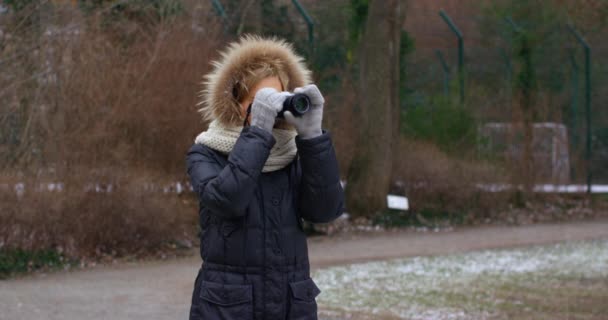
(17, 261)
(563, 281)
(425, 217)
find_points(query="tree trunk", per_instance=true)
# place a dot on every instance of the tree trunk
(369, 176)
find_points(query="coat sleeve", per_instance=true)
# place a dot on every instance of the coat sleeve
(227, 191)
(321, 197)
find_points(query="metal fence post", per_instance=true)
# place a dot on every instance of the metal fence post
(574, 102)
(587, 50)
(446, 73)
(309, 22)
(508, 65)
(220, 12)
(509, 69)
(458, 34)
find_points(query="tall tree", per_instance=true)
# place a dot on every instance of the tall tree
(377, 120)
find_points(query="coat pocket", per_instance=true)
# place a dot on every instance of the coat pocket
(226, 301)
(302, 305)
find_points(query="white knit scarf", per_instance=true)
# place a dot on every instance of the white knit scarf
(222, 139)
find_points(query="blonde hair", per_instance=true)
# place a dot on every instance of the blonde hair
(242, 87)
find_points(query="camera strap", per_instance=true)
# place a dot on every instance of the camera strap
(246, 122)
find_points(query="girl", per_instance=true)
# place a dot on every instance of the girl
(257, 176)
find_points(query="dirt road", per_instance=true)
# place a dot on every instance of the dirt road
(162, 289)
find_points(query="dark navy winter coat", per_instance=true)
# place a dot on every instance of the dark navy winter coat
(254, 251)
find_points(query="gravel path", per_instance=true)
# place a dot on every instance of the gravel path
(162, 289)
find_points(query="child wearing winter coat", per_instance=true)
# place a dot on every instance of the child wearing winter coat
(258, 172)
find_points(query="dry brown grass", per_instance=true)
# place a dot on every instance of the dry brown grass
(120, 96)
(106, 105)
(437, 182)
(79, 221)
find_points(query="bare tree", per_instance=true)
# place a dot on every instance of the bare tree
(370, 172)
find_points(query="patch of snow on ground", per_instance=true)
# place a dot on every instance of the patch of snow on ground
(436, 287)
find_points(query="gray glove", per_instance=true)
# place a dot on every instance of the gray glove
(309, 124)
(266, 105)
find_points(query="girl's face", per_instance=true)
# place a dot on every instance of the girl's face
(270, 82)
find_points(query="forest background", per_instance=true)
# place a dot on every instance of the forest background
(99, 105)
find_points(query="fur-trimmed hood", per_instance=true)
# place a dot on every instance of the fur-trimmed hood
(217, 101)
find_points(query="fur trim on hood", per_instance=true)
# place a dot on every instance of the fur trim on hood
(217, 101)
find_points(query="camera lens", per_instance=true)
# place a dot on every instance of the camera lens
(300, 103)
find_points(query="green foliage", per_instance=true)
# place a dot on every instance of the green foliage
(534, 33)
(443, 122)
(393, 218)
(518, 199)
(526, 77)
(425, 217)
(330, 62)
(359, 10)
(599, 199)
(18, 5)
(277, 22)
(408, 46)
(19, 261)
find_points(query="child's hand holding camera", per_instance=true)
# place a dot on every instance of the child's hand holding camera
(308, 124)
(266, 105)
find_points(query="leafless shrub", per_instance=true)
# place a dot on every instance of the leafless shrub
(437, 182)
(85, 105)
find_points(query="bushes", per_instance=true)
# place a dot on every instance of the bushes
(443, 189)
(439, 162)
(19, 261)
(105, 111)
(449, 125)
(82, 222)
(107, 103)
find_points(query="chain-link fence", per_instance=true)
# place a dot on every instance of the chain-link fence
(500, 60)
(493, 75)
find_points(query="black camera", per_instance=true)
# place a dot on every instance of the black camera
(298, 104)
